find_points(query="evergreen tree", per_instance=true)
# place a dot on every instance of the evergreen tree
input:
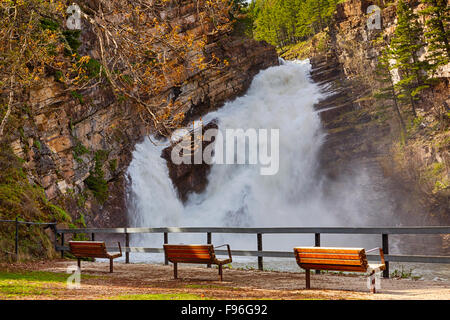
(383, 74)
(283, 22)
(406, 44)
(437, 34)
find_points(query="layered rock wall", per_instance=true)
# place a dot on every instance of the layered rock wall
(68, 135)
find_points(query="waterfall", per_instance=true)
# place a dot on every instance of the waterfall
(280, 97)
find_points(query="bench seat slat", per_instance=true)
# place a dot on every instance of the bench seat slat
(190, 246)
(93, 249)
(98, 249)
(330, 250)
(76, 252)
(190, 260)
(191, 256)
(83, 243)
(180, 251)
(333, 267)
(330, 256)
(331, 261)
(87, 255)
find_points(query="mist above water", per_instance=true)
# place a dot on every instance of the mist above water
(283, 98)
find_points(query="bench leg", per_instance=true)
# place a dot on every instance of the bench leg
(79, 263)
(373, 285)
(111, 265)
(220, 272)
(308, 279)
(175, 271)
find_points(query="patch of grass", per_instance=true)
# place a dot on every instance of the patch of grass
(93, 68)
(113, 165)
(59, 214)
(160, 296)
(37, 144)
(402, 273)
(305, 49)
(32, 283)
(20, 284)
(27, 201)
(13, 288)
(78, 150)
(78, 96)
(34, 276)
(73, 40)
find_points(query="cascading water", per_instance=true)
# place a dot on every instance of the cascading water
(280, 97)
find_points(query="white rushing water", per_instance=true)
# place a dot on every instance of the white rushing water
(280, 97)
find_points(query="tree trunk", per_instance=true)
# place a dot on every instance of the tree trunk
(8, 112)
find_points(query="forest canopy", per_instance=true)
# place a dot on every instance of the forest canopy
(283, 22)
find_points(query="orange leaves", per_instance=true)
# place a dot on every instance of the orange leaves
(145, 47)
(158, 49)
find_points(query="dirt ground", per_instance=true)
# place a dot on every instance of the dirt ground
(130, 279)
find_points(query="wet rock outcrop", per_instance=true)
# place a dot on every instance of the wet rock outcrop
(190, 177)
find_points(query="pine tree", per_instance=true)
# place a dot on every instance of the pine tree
(383, 74)
(282, 22)
(437, 34)
(406, 44)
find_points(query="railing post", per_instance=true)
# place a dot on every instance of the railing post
(55, 239)
(127, 245)
(93, 239)
(62, 245)
(16, 247)
(385, 247)
(208, 241)
(317, 244)
(260, 247)
(166, 241)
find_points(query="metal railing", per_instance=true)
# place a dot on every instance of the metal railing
(260, 253)
(17, 223)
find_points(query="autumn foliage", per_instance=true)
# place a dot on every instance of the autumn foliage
(143, 50)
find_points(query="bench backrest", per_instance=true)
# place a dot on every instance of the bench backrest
(93, 249)
(322, 258)
(188, 253)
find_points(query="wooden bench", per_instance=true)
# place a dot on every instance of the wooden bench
(203, 254)
(337, 259)
(92, 249)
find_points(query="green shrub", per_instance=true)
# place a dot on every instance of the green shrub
(96, 181)
(27, 201)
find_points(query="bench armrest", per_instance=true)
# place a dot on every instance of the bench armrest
(381, 254)
(228, 248)
(120, 248)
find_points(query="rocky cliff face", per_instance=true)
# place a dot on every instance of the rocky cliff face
(68, 137)
(364, 137)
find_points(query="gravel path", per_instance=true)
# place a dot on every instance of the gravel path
(238, 284)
